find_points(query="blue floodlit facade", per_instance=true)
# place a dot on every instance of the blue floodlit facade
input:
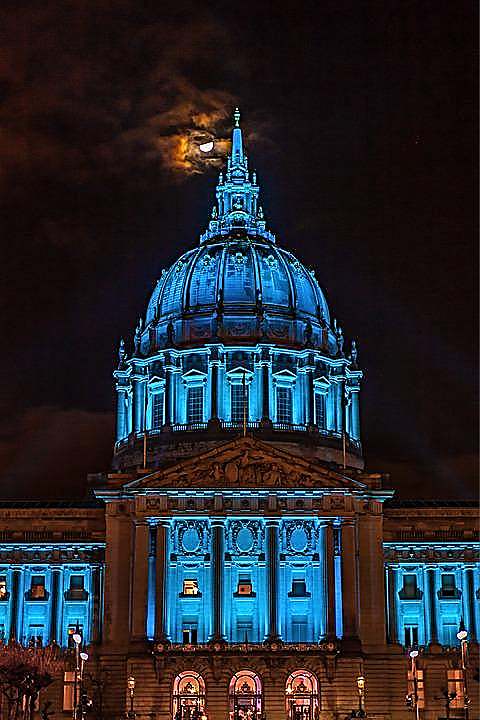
(238, 559)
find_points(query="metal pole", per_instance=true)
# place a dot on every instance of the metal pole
(466, 701)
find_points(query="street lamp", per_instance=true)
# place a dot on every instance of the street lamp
(77, 639)
(462, 635)
(83, 698)
(412, 698)
(131, 691)
(361, 695)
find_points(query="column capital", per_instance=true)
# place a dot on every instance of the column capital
(272, 521)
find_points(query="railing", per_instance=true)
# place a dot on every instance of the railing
(237, 425)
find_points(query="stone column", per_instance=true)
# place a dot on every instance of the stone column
(138, 627)
(330, 580)
(138, 404)
(167, 397)
(265, 365)
(469, 591)
(56, 590)
(339, 406)
(214, 392)
(392, 604)
(272, 562)
(349, 580)
(432, 605)
(97, 601)
(355, 413)
(218, 542)
(121, 429)
(15, 629)
(310, 398)
(161, 578)
(371, 579)
(118, 554)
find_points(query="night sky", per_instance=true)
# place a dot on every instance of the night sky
(360, 120)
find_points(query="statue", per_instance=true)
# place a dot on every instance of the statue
(354, 354)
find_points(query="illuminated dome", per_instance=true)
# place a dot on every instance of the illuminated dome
(237, 284)
(237, 337)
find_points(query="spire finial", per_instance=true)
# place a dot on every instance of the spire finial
(236, 117)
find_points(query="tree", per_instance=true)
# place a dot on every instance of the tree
(24, 671)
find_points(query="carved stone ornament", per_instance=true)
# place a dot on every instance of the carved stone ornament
(248, 462)
(245, 537)
(190, 537)
(300, 537)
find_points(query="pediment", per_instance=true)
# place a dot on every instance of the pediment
(246, 463)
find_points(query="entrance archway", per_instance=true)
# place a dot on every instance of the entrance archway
(245, 693)
(188, 696)
(301, 696)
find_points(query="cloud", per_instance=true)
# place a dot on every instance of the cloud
(92, 88)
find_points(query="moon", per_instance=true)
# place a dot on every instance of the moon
(206, 147)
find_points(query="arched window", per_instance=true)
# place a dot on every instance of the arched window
(245, 694)
(301, 696)
(188, 696)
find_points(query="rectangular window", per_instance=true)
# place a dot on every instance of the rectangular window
(420, 687)
(195, 404)
(76, 590)
(448, 589)
(157, 410)
(299, 588)
(244, 586)
(244, 628)
(37, 587)
(3, 587)
(68, 689)
(455, 688)
(190, 587)
(320, 419)
(299, 628)
(409, 590)
(450, 634)
(71, 630)
(284, 405)
(35, 634)
(411, 635)
(239, 400)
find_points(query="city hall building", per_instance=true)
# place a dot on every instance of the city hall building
(239, 561)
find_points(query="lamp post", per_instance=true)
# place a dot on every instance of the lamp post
(412, 698)
(77, 639)
(462, 635)
(131, 692)
(83, 699)
(361, 695)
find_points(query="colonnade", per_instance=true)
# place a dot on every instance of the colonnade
(150, 570)
(429, 615)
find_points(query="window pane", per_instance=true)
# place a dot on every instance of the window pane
(195, 404)
(239, 399)
(76, 582)
(157, 410)
(284, 405)
(320, 410)
(68, 685)
(190, 587)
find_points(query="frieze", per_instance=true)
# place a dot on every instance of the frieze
(429, 554)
